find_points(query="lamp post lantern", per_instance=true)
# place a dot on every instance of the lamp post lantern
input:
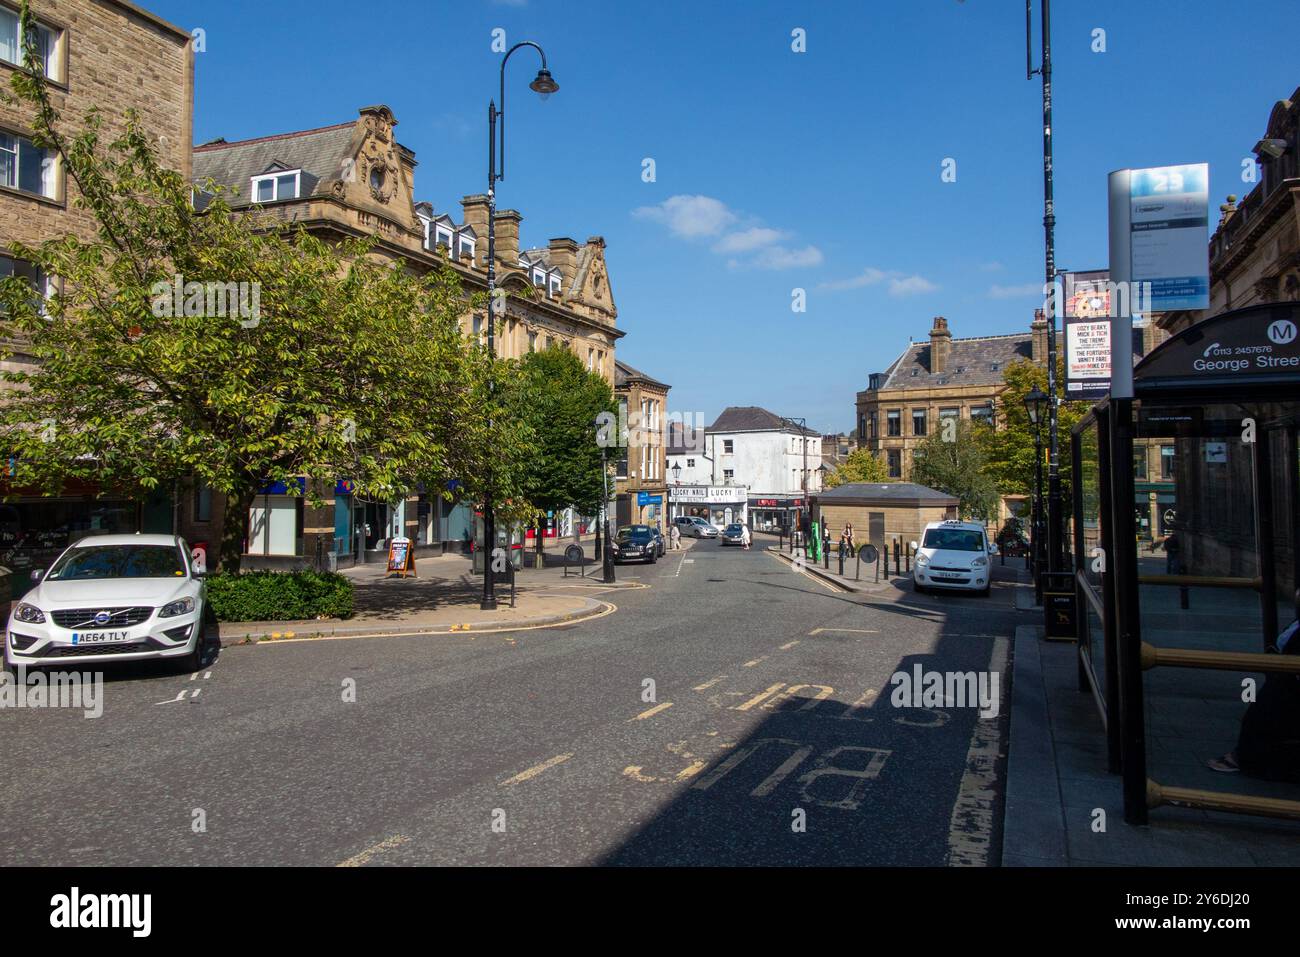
(543, 84)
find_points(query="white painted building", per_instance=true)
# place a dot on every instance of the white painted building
(751, 448)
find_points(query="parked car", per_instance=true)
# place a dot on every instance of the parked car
(733, 534)
(953, 554)
(112, 598)
(637, 543)
(695, 527)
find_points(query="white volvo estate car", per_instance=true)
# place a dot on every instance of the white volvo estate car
(111, 598)
(953, 554)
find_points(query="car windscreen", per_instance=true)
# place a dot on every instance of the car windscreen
(954, 539)
(118, 561)
(637, 534)
(733, 529)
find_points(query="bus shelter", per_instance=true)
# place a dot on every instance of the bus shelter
(1179, 633)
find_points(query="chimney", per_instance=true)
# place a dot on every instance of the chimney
(508, 221)
(476, 217)
(940, 345)
(564, 256)
(1227, 209)
(1038, 351)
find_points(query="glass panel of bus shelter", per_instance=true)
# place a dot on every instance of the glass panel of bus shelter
(1089, 479)
(1202, 492)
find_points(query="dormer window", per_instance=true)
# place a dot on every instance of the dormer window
(442, 236)
(555, 285)
(278, 186)
(465, 247)
(539, 277)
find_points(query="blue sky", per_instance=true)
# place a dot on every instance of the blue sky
(774, 170)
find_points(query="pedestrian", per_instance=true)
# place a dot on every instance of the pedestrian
(848, 535)
(744, 537)
(675, 536)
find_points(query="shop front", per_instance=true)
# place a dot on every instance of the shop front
(716, 504)
(775, 514)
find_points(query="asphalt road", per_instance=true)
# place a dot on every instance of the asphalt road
(768, 736)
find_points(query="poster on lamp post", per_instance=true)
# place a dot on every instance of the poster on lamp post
(1086, 328)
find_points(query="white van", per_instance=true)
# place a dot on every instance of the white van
(954, 554)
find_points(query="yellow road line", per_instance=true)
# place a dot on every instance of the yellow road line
(708, 684)
(653, 711)
(750, 664)
(971, 824)
(859, 631)
(790, 644)
(537, 769)
(387, 844)
(760, 697)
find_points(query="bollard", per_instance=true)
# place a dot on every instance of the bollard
(841, 556)
(857, 570)
(898, 567)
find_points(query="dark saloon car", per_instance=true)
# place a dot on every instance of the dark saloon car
(733, 534)
(638, 543)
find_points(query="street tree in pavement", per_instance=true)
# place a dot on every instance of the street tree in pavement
(953, 459)
(1011, 448)
(559, 399)
(861, 465)
(333, 365)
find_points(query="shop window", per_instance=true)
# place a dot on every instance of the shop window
(1140, 463)
(1167, 462)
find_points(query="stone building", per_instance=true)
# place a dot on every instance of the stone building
(355, 179)
(641, 482)
(934, 379)
(113, 55)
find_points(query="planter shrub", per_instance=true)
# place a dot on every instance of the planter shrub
(280, 596)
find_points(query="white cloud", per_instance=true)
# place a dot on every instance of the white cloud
(781, 257)
(910, 286)
(898, 284)
(689, 217)
(744, 240)
(1022, 291)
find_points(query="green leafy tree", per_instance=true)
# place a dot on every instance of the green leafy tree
(954, 459)
(1011, 448)
(861, 465)
(225, 346)
(558, 400)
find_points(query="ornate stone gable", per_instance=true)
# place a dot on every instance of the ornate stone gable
(591, 291)
(375, 177)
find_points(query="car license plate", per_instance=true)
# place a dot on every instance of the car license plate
(948, 578)
(99, 637)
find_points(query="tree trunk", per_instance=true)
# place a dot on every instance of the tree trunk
(234, 529)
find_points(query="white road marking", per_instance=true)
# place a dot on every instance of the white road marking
(387, 844)
(972, 813)
(859, 631)
(537, 769)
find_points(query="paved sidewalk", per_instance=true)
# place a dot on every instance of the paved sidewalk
(444, 598)
(1057, 780)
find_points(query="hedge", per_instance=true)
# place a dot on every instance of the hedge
(280, 596)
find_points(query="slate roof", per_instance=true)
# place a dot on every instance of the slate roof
(625, 374)
(977, 361)
(752, 418)
(886, 493)
(319, 153)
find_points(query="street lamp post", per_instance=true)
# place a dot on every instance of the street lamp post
(607, 557)
(805, 509)
(1054, 543)
(1034, 403)
(544, 85)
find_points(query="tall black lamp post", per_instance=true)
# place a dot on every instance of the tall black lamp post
(1035, 404)
(805, 512)
(1055, 547)
(544, 84)
(607, 556)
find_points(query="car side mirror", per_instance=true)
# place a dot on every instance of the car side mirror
(37, 573)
